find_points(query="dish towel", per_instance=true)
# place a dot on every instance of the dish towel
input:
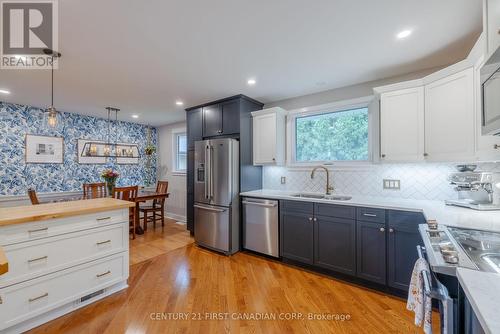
(418, 302)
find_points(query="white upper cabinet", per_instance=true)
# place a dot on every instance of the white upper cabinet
(492, 24)
(450, 118)
(402, 125)
(269, 136)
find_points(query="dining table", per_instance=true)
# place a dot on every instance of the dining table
(143, 195)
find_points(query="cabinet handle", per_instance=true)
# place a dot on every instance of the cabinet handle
(315, 219)
(383, 155)
(310, 219)
(38, 259)
(38, 230)
(369, 215)
(391, 230)
(496, 147)
(103, 242)
(382, 229)
(426, 154)
(46, 294)
(219, 131)
(274, 159)
(103, 218)
(103, 274)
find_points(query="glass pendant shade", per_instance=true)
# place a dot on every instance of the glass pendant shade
(52, 119)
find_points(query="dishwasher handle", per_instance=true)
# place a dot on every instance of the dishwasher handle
(260, 204)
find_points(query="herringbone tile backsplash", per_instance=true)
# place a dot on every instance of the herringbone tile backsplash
(418, 181)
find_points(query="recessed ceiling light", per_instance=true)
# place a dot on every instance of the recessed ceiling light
(404, 34)
(3, 91)
(179, 103)
(135, 116)
(251, 82)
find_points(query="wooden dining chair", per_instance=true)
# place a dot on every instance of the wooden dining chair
(94, 190)
(33, 197)
(128, 194)
(157, 207)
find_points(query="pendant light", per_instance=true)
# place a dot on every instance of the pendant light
(52, 117)
(109, 149)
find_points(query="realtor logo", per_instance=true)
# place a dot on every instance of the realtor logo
(28, 27)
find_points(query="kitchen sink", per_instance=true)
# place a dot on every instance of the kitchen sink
(327, 197)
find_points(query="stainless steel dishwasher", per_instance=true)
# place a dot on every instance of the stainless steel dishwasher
(260, 226)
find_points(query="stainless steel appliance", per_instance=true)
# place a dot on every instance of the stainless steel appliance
(260, 226)
(216, 189)
(490, 84)
(476, 190)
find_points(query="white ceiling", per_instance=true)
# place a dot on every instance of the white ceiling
(141, 56)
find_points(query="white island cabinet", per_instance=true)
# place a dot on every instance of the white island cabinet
(61, 256)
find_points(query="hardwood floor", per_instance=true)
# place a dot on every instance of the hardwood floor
(196, 283)
(159, 241)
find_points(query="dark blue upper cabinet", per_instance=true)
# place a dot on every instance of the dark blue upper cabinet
(403, 238)
(335, 243)
(212, 121)
(231, 117)
(194, 119)
(371, 256)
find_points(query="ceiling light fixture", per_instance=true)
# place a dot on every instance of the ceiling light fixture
(52, 117)
(4, 91)
(251, 82)
(179, 103)
(403, 34)
(135, 116)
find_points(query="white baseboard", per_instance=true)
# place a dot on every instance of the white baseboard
(173, 216)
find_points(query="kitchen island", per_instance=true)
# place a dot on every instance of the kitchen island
(59, 257)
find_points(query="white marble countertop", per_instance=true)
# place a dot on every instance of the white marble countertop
(436, 210)
(483, 292)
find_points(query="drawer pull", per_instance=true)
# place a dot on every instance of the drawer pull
(46, 294)
(103, 242)
(38, 259)
(103, 218)
(38, 230)
(369, 215)
(103, 274)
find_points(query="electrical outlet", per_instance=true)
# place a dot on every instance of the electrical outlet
(283, 179)
(392, 184)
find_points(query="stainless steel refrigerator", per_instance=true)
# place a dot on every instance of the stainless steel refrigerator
(216, 194)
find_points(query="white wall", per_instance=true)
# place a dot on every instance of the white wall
(176, 203)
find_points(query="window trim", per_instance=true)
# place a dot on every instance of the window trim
(292, 115)
(175, 135)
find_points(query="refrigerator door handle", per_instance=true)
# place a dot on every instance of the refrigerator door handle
(211, 175)
(208, 208)
(206, 172)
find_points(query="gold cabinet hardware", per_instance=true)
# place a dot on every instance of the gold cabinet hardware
(38, 230)
(38, 259)
(103, 274)
(103, 242)
(103, 218)
(46, 294)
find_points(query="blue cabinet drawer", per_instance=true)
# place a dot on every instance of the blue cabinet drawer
(297, 206)
(332, 210)
(405, 219)
(370, 215)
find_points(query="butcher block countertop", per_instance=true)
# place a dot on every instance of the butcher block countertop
(4, 265)
(25, 214)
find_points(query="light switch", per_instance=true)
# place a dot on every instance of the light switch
(283, 179)
(392, 184)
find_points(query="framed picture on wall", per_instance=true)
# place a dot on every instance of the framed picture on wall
(86, 159)
(44, 149)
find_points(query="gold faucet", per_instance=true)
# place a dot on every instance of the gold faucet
(329, 188)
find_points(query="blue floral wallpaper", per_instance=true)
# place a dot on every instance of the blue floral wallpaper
(16, 176)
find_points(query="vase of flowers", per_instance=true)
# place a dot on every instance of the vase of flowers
(110, 177)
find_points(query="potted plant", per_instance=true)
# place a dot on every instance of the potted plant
(149, 149)
(110, 177)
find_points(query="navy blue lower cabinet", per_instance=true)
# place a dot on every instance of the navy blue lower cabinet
(371, 251)
(335, 244)
(403, 238)
(297, 236)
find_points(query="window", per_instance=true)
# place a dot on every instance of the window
(334, 136)
(180, 151)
